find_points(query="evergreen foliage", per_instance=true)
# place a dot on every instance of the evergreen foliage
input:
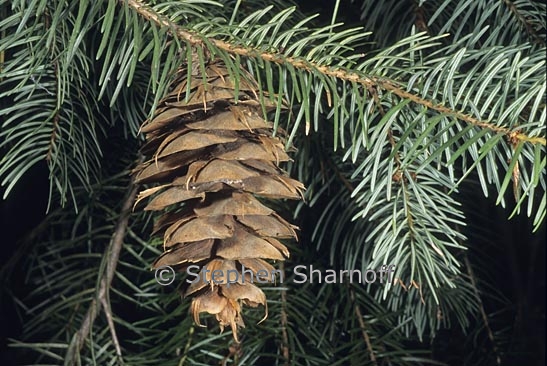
(391, 121)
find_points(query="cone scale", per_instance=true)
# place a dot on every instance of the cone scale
(212, 156)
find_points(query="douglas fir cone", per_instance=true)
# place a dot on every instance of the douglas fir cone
(212, 154)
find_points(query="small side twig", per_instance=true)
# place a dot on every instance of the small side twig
(483, 312)
(362, 325)
(110, 319)
(187, 347)
(525, 23)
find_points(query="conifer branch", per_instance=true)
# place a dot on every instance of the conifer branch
(111, 61)
(101, 300)
(399, 175)
(300, 64)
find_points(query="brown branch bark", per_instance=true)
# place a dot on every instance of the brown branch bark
(110, 320)
(420, 19)
(101, 300)
(525, 23)
(196, 40)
